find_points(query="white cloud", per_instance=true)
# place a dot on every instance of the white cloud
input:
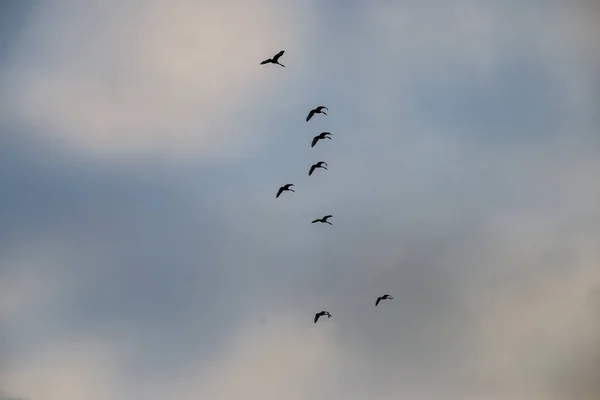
(287, 357)
(71, 370)
(148, 75)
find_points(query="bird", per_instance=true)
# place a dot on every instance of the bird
(320, 164)
(384, 297)
(274, 60)
(284, 188)
(318, 110)
(320, 314)
(323, 220)
(322, 135)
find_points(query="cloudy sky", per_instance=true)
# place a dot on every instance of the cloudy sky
(143, 254)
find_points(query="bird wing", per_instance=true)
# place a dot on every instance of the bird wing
(320, 108)
(316, 220)
(327, 216)
(377, 302)
(317, 317)
(312, 169)
(314, 141)
(276, 57)
(310, 115)
(279, 192)
(266, 61)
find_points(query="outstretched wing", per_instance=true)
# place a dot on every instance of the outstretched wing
(317, 317)
(266, 61)
(314, 141)
(327, 216)
(377, 302)
(316, 220)
(312, 169)
(279, 192)
(320, 108)
(276, 57)
(310, 115)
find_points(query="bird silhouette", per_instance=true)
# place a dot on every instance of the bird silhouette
(320, 314)
(274, 60)
(318, 110)
(320, 164)
(284, 188)
(322, 135)
(323, 220)
(384, 297)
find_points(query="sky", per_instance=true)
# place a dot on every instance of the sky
(143, 254)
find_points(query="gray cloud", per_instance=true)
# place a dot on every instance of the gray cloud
(462, 181)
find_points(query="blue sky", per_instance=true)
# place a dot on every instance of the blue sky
(141, 147)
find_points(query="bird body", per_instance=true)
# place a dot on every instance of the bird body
(285, 188)
(320, 314)
(274, 60)
(318, 110)
(323, 220)
(384, 297)
(320, 164)
(320, 136)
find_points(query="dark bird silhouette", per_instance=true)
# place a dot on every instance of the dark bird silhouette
(323, 220)
(274, 60)
(318, 110)
(322, 135)
(320, 314)
(384, 297)
(320, 164)
(284, 188)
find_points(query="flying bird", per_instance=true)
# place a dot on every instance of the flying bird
(322, 135)
(384, 297)
(284, 188)
(318, 110)
(320, 314)
(323, 220)
(274, 60)
(320, 164)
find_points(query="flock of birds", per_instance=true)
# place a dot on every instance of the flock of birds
(320, 164)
